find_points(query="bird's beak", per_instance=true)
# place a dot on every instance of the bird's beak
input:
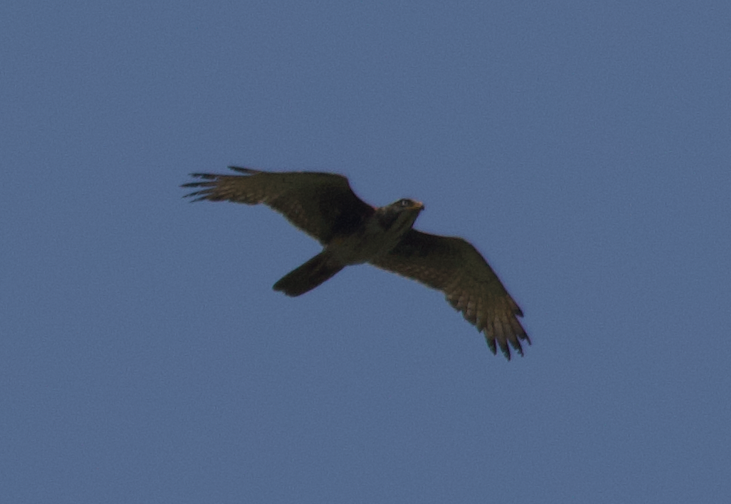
(418, 205)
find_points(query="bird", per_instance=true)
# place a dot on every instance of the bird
(352, 232)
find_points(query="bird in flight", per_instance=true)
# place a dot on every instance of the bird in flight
(353, 232)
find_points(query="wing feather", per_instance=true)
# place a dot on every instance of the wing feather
(321, 204)
(455, 267)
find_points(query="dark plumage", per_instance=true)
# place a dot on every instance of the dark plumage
(353, 232)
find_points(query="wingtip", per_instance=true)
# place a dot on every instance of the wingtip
(516, 346)
(491, 345)
(197, 195)
(505, 350)
(241, 169)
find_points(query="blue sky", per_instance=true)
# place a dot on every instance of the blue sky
(583, 147)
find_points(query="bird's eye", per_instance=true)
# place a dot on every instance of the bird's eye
(404, 203)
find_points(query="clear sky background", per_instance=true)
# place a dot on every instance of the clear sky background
(584, 147)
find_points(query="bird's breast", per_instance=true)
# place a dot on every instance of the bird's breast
(364, 245)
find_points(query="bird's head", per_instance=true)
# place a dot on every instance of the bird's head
(407, 205)
(399, 216)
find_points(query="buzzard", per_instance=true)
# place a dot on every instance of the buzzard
(352, 232)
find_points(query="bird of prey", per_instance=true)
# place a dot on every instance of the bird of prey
(352, 232)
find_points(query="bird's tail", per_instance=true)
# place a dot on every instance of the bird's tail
(309, 275)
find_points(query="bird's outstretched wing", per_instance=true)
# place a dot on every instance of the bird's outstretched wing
(454, 266)
(321, 204)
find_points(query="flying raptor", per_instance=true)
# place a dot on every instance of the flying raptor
(352, 232)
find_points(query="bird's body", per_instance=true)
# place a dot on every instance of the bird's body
(353, 232)
(377, 236)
